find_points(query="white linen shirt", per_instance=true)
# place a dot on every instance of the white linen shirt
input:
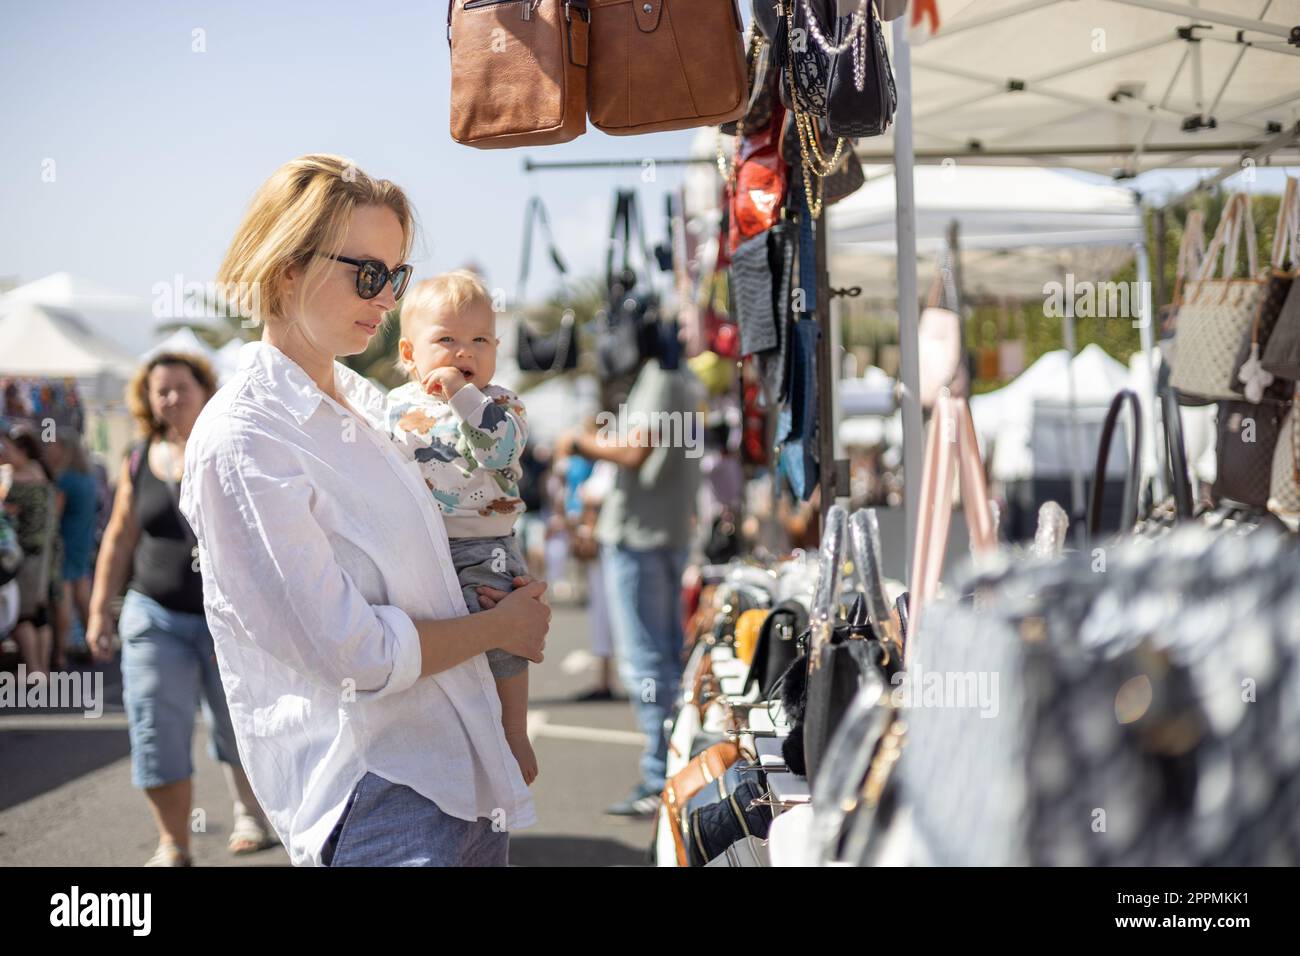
(318, 544)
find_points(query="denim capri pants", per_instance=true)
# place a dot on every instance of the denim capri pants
(387, 824)
(168, 669)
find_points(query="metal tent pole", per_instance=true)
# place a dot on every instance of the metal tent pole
(908, 347)
(827, 378)
(1147, 329)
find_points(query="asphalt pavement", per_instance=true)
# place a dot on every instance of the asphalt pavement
(66, 797)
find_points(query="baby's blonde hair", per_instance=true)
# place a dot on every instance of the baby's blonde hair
(456, 291)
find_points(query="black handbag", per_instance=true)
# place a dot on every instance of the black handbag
(767, 19)
(1282, 356)
(851, 659)
(718, 824)
(542, 352)
(808, 69)
(549, 352)
(777, 647)
(1247, 436)
(628, 328)
(842, 181)
(867, 110)
(764, 70)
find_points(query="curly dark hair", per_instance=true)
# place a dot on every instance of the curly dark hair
(137, 393)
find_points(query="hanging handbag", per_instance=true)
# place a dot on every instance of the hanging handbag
(518, 71)
(764, 73)
(797, 424)
(761, 281)
(1282, 354)
(842, 181)
(628, 327)
(1191, 251)
(759, 176)
(861, 98)
(1284, 478)
(1249, 375)
(1248, 434)
(807, 67)
(939, 345)
(1216, 313)
(951, 450)
(767, 19)
(542, 352)
(647, 76)
(801, 70)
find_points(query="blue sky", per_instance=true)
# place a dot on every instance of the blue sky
(156, 148)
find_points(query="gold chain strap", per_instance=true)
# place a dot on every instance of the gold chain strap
(729, 175)
(810, 151)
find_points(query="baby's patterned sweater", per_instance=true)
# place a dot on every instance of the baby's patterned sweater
(468, 449)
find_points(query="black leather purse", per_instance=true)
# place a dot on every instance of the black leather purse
(777, 647)
(810, 67)
(1247, 436)
(861, 97)
(851, 659)
(549, 351)
(628, 329)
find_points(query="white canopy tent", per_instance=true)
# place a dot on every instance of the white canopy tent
(1004, 419)
(124, 320)
(1112, 86)
(42, 341)
(184, 340)
(1019, 228)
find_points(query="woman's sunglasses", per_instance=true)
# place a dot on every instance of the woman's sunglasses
(373, 275)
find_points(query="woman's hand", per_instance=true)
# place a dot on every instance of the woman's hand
(523, 622)
(490, 597)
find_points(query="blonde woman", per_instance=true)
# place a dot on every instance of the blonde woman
(358, 685)
(167, 660)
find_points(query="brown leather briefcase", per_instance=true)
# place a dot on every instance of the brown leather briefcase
(518, 71)
(665, 64)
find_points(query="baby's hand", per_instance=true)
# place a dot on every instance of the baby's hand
(444, 382)
(522, 748)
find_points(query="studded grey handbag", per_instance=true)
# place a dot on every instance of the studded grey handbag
(1138, 707)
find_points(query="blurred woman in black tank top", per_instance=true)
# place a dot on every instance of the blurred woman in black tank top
(168, 664)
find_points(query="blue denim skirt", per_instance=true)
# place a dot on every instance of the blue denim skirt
(387, 824)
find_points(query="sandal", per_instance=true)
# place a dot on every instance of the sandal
(169, 854)
(250, 835)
